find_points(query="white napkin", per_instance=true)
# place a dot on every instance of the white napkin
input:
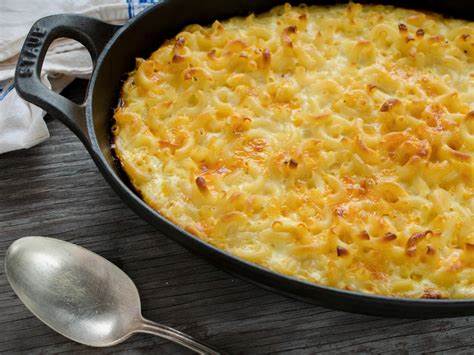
(21, 123)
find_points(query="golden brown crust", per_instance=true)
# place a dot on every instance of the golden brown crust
(333, 144)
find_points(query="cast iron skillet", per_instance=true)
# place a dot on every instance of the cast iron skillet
(113, 50)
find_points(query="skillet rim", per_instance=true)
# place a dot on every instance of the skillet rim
(448, 307)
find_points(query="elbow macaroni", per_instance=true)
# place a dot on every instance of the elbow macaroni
(332, 144)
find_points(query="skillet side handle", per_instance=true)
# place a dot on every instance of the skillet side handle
(92, 33)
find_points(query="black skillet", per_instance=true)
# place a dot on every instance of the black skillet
(113, 50)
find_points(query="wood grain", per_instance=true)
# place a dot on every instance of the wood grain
(55, 190)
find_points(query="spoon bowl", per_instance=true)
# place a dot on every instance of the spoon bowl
(81, 295)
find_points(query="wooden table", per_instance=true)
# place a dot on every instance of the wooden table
(55, 190)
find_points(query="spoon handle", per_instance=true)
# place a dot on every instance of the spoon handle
(147, 326)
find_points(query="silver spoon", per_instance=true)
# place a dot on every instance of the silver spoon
(81, 295)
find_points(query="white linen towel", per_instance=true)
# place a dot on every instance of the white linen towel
(21, 123)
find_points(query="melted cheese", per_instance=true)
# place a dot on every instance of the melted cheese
(332, 144)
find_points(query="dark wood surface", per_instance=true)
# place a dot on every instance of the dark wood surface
(55, 190)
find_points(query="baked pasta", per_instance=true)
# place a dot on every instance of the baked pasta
(332, 144)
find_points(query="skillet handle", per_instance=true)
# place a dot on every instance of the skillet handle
(92, 33)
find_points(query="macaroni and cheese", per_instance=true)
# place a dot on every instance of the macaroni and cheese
(332, 144)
